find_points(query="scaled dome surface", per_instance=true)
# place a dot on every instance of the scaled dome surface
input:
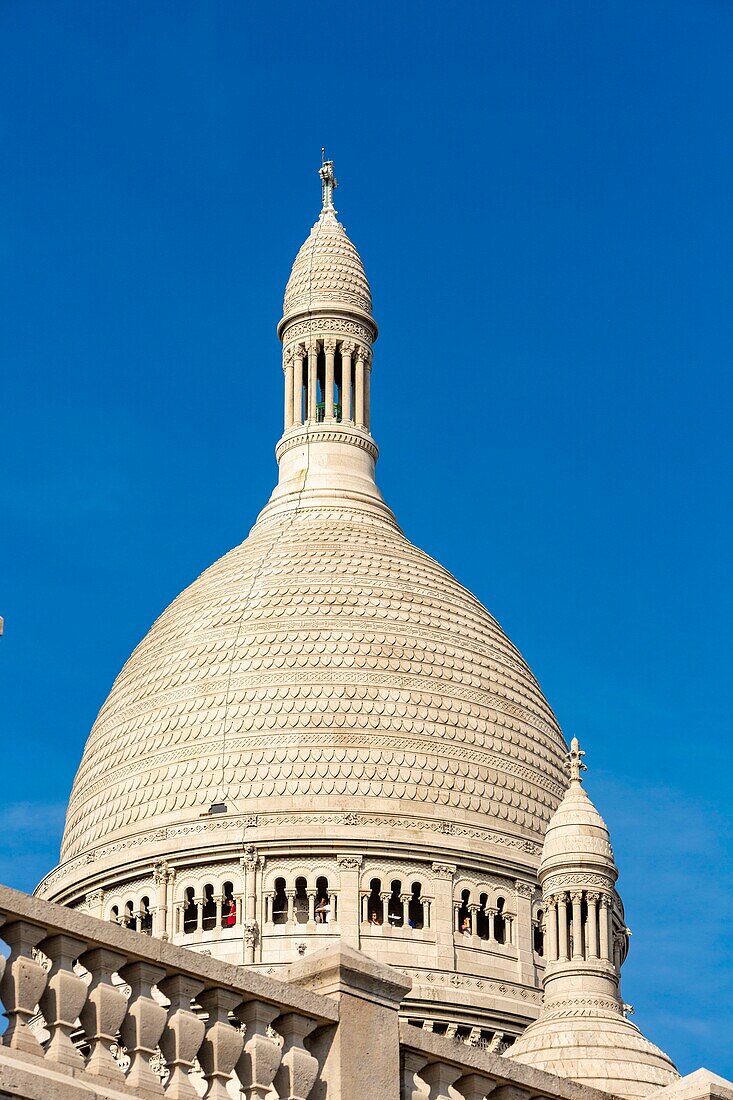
(329, 663)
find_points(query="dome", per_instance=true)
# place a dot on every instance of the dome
(327, 272)
(326, 716)
(327, 662)
(607, 1053)
(577, 833)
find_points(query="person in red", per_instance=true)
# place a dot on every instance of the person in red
(229, 913)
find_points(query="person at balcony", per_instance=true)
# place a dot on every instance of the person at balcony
(375, 918)
(323, 908)
(228, 913)
(466, 927)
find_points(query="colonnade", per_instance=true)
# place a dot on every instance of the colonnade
(579, 926)
(293, 912)
(327, 381)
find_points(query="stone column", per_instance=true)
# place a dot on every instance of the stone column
(199, 902)
(359, 394)
(360, 1057)
(605, 927)
(551, 923)
(329, 348)
(592, 925)
(577, 899)
(161, 872)
(312, 896)
(443, 923)
(524, 932)
(312, 413)
(367, 393)
(298, 384)
(490, 914)
(562, 928)
(248, 918)
(288, 368)
(290, 895)
(348, 915)
(347, 350)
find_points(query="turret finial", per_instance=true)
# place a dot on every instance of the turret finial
(329, 183)
(574, 761)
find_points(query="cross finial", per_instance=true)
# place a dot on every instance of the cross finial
(328, 182)
(574, 761)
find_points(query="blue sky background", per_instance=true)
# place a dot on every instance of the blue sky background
(541, 193)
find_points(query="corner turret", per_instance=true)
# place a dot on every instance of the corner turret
(582, 1023)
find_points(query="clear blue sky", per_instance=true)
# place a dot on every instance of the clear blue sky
(541, 193)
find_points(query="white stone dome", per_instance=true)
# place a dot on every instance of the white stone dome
(327, 272)
(577, 833)
(330, 664)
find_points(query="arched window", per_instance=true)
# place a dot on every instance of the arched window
(482, 918)
(190, 912)
(323, 901)
(280, 903)
(228, 906)
(395, 907)
(375, 907)
(114, 915)
(500, 921)
(538, 936)
(464, 917)
(129, 917)
(208, 915)
(146, 917)
(301, 901)
(415, 910)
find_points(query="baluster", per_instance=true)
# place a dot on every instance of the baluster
(182, 1035)
(142, 1027)
(439, 1076)
(103, 1013)
(411, 1088)
(260, 1059)
(298, 1069)
(22, 984)
(222, 1044)
(474, 1087)
(63, 998)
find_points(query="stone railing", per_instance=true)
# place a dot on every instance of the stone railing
(97, 1012)
(162, 1009)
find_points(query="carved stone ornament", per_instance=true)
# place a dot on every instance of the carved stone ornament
(525, 889)
(443, 870)
(350, 863)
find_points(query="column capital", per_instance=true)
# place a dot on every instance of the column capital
(288, 355)
(348, 347)
(576, 896)
(329, 346)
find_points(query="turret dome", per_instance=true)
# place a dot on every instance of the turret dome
(327, 271)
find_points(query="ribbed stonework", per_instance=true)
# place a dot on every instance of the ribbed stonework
(326, 736)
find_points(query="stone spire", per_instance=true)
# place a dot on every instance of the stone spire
(586, 942)
(327, 453)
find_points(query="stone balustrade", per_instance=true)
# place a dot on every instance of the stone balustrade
(96, 989)
(96, 1012)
